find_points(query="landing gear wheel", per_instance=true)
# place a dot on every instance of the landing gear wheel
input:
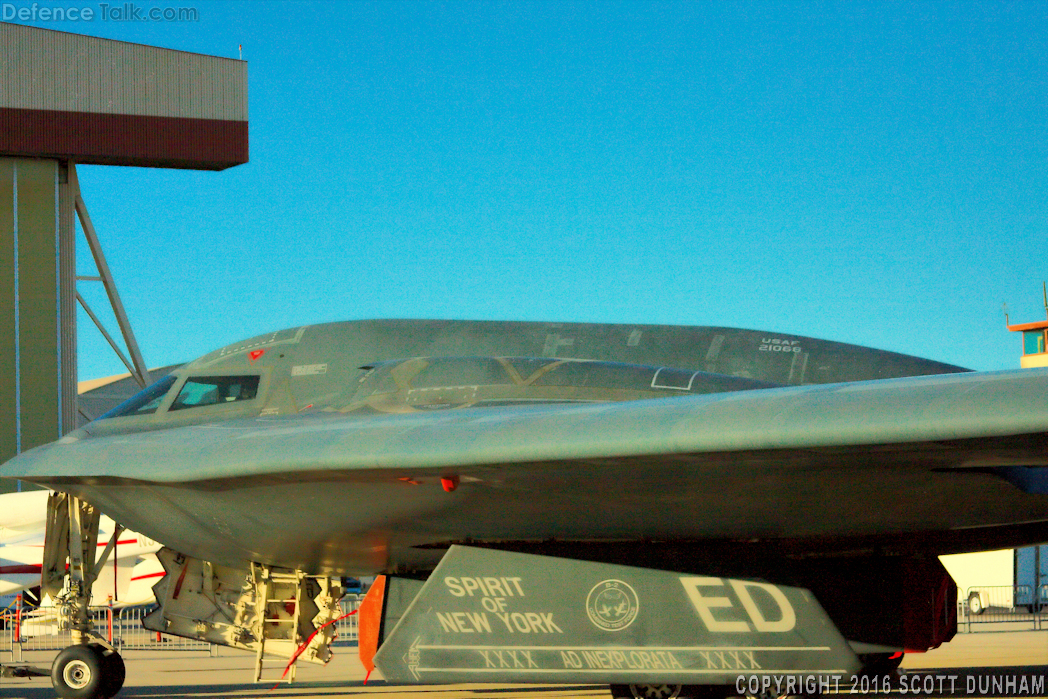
(881, 668)
(708, 691)
(881, 663)
(77, 673)
(645, 691)
(975, 603)
(113, 672)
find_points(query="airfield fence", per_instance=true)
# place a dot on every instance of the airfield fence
(1002, 608)
(997, 608)
(29, 629)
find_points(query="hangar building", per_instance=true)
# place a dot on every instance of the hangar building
(67, 99)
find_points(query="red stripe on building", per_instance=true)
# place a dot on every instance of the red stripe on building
(123, 139)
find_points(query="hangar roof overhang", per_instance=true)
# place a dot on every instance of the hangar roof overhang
(98, 101)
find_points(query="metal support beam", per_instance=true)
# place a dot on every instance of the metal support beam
(137, 365)
(109, 338)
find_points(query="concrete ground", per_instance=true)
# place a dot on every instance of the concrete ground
(1007, 649)
(195, 674)
(171, 674)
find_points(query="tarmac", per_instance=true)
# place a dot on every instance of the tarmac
(196, 674)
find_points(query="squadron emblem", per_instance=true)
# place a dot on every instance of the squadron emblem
(612, 605)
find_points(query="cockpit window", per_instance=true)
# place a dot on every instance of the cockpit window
(144, 402)
(199, 391)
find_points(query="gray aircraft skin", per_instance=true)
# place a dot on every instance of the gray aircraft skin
(370, 446)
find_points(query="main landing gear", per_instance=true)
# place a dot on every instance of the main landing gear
(91, 668)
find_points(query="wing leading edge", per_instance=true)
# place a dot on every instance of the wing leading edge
(923, 410)
(928, 454)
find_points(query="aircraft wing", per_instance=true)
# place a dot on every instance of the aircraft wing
(953, 459)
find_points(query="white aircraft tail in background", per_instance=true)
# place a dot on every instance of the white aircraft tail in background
(127, 578)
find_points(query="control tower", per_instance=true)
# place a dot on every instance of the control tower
(1035, 339)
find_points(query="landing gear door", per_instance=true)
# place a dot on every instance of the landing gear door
(487, 614)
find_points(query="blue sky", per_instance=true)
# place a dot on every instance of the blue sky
(874, 173)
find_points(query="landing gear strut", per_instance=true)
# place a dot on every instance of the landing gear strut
(91, 668)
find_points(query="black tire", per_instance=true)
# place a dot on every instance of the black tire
(646, 691)
(113, 672)
(77, 673)
(708, 691)
(688, 691)
(884, 666)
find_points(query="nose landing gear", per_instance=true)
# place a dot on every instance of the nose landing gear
(90, 669)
